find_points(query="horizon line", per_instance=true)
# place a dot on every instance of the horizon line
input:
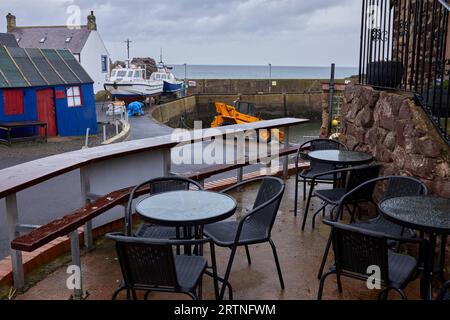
(260, 65)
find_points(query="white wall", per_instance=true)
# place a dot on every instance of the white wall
(91, 59)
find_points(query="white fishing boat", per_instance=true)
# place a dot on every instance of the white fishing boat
(164, 73)
(131, 82)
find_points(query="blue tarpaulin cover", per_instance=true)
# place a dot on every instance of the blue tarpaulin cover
(135, 109)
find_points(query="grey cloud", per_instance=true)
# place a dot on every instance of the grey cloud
(245, 24)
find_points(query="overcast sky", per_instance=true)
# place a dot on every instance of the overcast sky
(239, 32)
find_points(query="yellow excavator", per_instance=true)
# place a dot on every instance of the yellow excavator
(229, 115)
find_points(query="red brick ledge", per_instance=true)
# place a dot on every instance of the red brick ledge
(61, 245)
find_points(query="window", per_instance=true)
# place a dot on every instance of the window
(13, 101)
(104, 64)
(43, 39)
(138, 74)
(130, 74)
(121, 73)
(74, 98)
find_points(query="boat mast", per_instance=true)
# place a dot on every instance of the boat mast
(128, 41)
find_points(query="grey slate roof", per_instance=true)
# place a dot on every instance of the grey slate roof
(7, 39)
(29, 37)
(39, 67)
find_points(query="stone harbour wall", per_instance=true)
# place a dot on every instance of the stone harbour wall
(399, 135)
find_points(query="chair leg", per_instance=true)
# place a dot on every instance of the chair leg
(247, 251)
(147, 293)
(383, 294)
(304, 189)
(332, 212)
(305, 215)
(275, 255)
(227, 272)
(339, 283)
(401, 293)
(118, 290)
(296, 195)
(192, 295)
(316, 213)
(324, 258)
(133, 292)
(200, 289)
(322, 282)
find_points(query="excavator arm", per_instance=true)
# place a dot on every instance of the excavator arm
(228, 115)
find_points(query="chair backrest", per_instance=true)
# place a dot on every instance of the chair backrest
(401, 186)
(357, 176)
(319, 144)
(146, 264)
(326, 144)
(395, 186)
(155, 186)
(356, 250)
(265, 208)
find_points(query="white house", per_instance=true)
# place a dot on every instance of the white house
(84, 42)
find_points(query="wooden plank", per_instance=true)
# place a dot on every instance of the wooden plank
(218, 169)
(65, 225)
(19, 124)
(20, 177)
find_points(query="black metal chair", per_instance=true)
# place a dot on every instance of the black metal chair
(353, 176)
(150, 265)
(254, 227)
(395, 186)
(444, 295)
(155, 186)
(356, 250)
(315, 167)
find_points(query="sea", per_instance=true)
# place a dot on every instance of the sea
(259, 72)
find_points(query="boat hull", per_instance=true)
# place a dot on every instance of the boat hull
(172, 87)
(134, 90)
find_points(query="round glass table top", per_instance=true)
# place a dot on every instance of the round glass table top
(183, 208)
(340, 156)
(429, 214)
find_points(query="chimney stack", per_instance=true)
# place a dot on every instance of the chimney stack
(10, 22)
(91, 24)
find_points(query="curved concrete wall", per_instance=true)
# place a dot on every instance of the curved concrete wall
(267, 106)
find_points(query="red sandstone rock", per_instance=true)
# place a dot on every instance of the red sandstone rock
(429, 147)
(399, 135)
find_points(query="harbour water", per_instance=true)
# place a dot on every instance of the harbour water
(259, 72)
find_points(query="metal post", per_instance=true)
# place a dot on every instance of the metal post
(286, 158)
(185, 79)
(85, 190)
(167, 160)
(240, 174)
(270, 78)
(12, 218)
(330, 104)
(76, 261)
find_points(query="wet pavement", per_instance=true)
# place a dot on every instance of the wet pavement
(299, 252)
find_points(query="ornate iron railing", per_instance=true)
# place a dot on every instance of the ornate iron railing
(405, 46)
